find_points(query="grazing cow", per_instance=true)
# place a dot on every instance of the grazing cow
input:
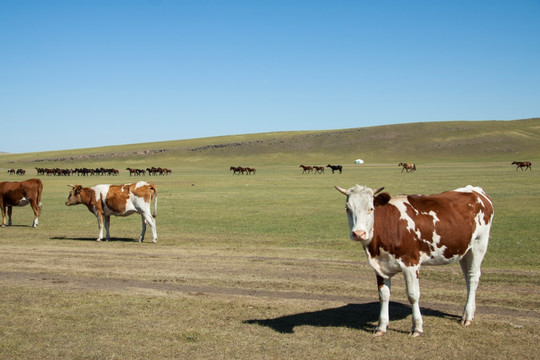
(335, 168)
(119, 200)
(400, 234)
(407, 166)
(522, 164)
(20, 194)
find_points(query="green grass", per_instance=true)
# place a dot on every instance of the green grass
(228, 239)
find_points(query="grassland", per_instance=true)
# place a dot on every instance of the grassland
(257, 267)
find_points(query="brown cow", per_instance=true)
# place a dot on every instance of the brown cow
(119, 200)
(400, 234)
(20, 194)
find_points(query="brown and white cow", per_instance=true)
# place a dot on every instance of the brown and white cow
(20, 194)
(118, 200)
(400, 234)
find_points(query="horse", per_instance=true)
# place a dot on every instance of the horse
(307, 169)
(335, 168)
(522, 164)
(237, 170)
(132, 171)
(318, 169)
(407, 167)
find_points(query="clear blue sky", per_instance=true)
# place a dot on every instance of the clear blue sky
(89, 73)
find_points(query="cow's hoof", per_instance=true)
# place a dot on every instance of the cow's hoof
(378, 333)
(416, 333)
(98, 239)
(466, 322)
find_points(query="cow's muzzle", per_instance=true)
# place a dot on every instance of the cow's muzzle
(359, 235)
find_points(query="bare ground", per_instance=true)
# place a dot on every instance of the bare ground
(226, 272)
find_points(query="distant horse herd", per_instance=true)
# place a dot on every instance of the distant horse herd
(239, 170)
(236, 170)
(306, 169)
(90, 172)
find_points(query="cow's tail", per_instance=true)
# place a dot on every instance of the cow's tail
(154, 196)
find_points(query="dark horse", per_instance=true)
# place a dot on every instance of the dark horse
(522, 164)
(335, 168)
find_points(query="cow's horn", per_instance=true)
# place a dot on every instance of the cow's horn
(378, 190)
(341, 190)
(72, 186)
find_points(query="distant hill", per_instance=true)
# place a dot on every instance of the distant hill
(419, 142)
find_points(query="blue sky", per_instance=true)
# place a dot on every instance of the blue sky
(78, 74)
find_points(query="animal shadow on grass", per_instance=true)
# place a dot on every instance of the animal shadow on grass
(355, 316)
(123, 239)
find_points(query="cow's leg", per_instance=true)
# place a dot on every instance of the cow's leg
(143, 231)
(107, 225)
(100, 226)
(152, 222)
(36, 209)
(9, 212)
(470, 265)
(413, 294)
(3, 207)
(384, 298)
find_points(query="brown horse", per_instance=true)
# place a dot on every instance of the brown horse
(407, 166)
(318, 169)
(306, 169)
(522, 164)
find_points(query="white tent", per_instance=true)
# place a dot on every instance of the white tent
(358, 161)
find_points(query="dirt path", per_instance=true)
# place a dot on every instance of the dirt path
(165, 288)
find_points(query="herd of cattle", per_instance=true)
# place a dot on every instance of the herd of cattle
(101, 200)
(398, 234)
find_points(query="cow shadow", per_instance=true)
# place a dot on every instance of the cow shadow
(113, 239)
(355, 316)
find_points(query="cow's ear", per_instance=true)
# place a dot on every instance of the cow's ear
(381, 199)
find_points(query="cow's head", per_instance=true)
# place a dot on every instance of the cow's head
(74, 197)
(360, 206)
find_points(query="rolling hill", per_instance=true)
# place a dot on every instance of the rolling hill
(419, 142)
